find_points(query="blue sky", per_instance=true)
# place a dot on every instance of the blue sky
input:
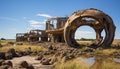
(22, 15)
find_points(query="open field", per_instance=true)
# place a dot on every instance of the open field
(85, 42)
(115, 42)
(106, 63)
(103, 58)
(23, 47)
(18, 46)
(72, 64)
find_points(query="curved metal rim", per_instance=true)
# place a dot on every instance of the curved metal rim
(108, 26)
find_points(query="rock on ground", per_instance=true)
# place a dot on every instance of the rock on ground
(31, 60)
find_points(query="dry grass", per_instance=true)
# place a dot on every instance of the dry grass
(22, 47)
(116, 42)
(76, 64)
(7, 42)
(18, 46)
(72, 64)
(111, 66)
(85, 42)
(105, 51)
(108, 51)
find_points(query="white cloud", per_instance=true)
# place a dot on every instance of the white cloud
(34, 22)
(37, 27)
(85, 34)
(44, 15)
(37, 24)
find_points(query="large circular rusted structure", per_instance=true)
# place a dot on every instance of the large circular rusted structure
(97, 19)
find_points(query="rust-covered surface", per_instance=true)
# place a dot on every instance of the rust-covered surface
(55, 28)
(32, 36)
(100, 22)
(38, 35)
(21, 37)
(62, 29)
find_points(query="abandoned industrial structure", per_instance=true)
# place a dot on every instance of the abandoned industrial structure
(32, 36)
(55, 27)
(53, 32)
(62, 29)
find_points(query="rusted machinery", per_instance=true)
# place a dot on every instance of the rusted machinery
(100, 21)
(55, 27)
(20, 37)
(32, 36)
(62, 29)
(38, 35)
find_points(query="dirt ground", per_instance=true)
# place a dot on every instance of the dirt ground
(31, 60)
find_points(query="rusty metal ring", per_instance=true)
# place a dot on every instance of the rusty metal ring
(105, 23)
